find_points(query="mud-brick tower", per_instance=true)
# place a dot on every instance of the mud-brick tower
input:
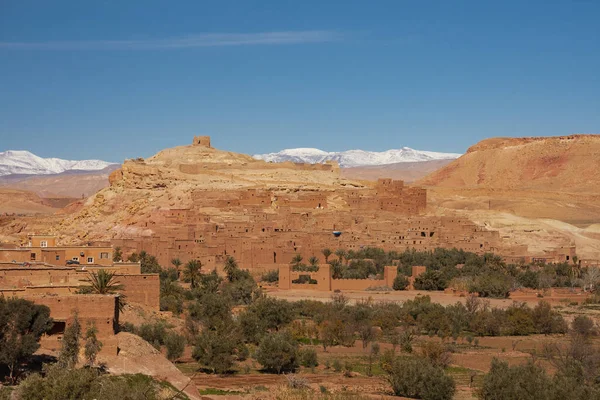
(201, 141)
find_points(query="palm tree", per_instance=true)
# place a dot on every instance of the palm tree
(230, 267)
(326, 253)
(191, 272)
(297, 260)
(313, 261)
(176, 263)
(104, 282)
(336, 269)
(169, 288)
(118, 254)
(340, 253)
(591, 278)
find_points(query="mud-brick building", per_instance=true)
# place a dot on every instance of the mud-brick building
(44, 249)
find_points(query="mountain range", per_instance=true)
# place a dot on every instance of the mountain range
(356, 158)
(20, 162)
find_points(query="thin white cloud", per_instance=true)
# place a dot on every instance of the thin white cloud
(191, 41)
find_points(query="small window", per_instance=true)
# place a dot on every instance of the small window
(57, 257)
(44, 243)
(75, 258)
(103, 256)
(90, 260)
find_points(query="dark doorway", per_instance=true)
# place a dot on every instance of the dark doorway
(58, 328)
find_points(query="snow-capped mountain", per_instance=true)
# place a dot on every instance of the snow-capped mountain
(26, 163)
(355, 158)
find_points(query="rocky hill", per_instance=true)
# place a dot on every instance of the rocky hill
(569, 164)
(173, 179)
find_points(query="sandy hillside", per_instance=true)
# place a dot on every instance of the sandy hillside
(406, 171)
(23, 202)
(169, 180)
(552, 178)
(568, 164)
(72, 185)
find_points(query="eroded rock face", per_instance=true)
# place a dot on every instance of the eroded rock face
(115, 177)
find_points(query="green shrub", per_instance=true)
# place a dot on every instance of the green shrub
(278, 352)
(548, 321)
(127, 327)
(88, 383)
(518, 320)
(153, 333)
(270, 276)
(264, 315)
(218, 350)
(69, 352)
(22, 323)
(171, 303)
(418, 378)
(6, 392)
(149, 263)
(240, 290)
(337, 365)
(523, 382)
(492, 284)
(400, 282)
(529, 279)
(431, 280)
(436, 353)
(175, 345)
(211, 309)
(583, 325)
(308, 358)
(92, 345)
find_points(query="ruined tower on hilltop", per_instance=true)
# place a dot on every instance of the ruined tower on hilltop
(201, 141)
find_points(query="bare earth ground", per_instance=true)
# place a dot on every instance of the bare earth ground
(69, 184)
(466, 361)
(13, 201)
(400, 296)
(250, 383)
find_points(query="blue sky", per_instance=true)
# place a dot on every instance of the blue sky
(122, 79)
